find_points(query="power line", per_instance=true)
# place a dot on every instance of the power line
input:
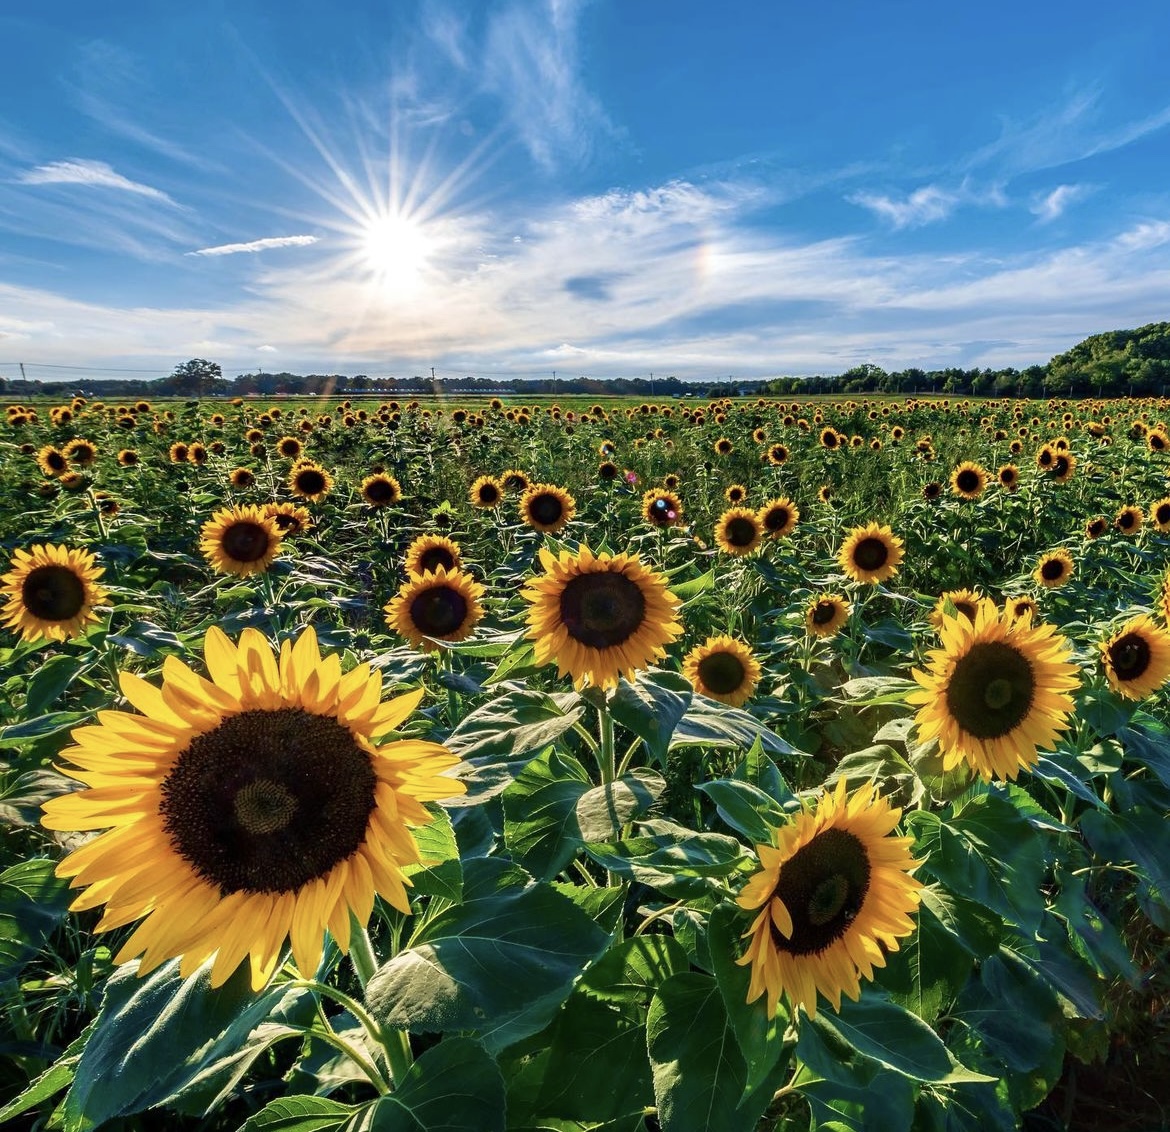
(82, 369)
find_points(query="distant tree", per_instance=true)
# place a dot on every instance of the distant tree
(196, 378)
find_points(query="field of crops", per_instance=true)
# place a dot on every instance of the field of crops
(691, 766)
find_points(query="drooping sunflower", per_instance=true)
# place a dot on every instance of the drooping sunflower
(965, 602)
(240, 540)
(969, 480)
(80, 452)
(738, 531)
(826, 614)
(381, 490)
(1136, 658)
(1160, 515)
(871, 554)
(996, 692)
(723, 669)
(661, 508)
(439, 605)
(247, 809)
(1054, 568)
(310, 481)
(486, 492)
(832, 892)
(546, 507)
(599, 616)
(779, 517)
(1129, 520)
(607, 471)
(289, 518)
(51, 461)
(50, 592)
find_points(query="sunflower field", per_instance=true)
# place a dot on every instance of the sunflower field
(731, 765)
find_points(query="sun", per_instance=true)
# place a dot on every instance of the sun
(396, 250)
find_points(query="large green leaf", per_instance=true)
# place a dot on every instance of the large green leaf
(497, 966)
(709, 723)
(745, 808)
(513, 724)
(440, 873)
(49, 681)
(699, 1073)
(299, 1114)
(604, 810)
(651, 707)
(540, 813)
(1139, 835)
(33, 901)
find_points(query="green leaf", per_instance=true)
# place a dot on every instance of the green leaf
(51, 679)
(33, 901)
(699, 1072)
(976, 929)
(604, 810)
(867, 691)
(1138, 835)
(58, 1076)
(513, 724)
(18, 734)
(651, 707)
(540, 813)
(745, 808)
(689, 590)
(633, 969)
(496, 966)
(712, 724)
(441, 873)
(154, 1035)
(299, 1114)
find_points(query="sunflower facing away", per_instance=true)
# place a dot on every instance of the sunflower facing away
(995, 692)
(1136, 659)
(546, 507)
(870, 554)
(826, 614)
(834, 890)
(600, 616)
(240, 540)
(723, 669)
(442, 605)
(50, 592)
(247, 809)
(429, 552)
(738, 531)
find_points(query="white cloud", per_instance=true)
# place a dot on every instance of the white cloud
(258, 245)
(928, 204)
(1048, 206)
(93, 173)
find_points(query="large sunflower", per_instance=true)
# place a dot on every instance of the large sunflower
(1136, 659)
(247, 809)
(738, 531)
(723, 669)
(779, 517)
(310, 481)
(429, 552)
(440, 605)
(833, 891)
(870, 554)
(51, 592)
(599, 616)
(995, 692)
(826, 614)
(486, 492)
(240, 540)
(51, 461)
(546, 507)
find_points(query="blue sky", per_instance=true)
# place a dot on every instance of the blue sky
(610, 188)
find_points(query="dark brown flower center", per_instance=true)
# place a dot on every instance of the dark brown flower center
(1162, 514)
(722, 673)
(515, 483)
(438, 611)
(1130, 656)
(56, 461)
(824, 612)
(489, 494)
(309, 481)
(1126, 520)
(777, 518)
(290, 448)
(53, 593)
(740, 531)
(823, 885)
(991, 689)
(1052, 569)
(380, 492)
(871, 554)
(1061, 467)
(245, 541)
(434, 557)
(968, 480)
(269, 800)
(602, 609)
(546, 509)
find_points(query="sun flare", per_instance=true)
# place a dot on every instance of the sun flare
(396, 250)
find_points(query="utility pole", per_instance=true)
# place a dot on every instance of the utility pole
(22, 377)
(652, 386)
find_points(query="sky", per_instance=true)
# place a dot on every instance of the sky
(604, 188)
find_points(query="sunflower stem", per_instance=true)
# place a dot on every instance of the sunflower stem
(361, 952)
(605, 752)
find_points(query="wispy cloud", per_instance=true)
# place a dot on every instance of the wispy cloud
(258, 245)
(929, 204)
(1046, 207)
(96, 174)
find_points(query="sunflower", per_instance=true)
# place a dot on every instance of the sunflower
(736, 493)
(1165, 599)
(487, 491)
(127, 457)
(738, 531)
(429, 552)
(995, 692)
(825, 493)
(830, 438)
(607, 470)
(969, 480)
(248, 809)
(50, 592)
(870, 554)
(965, 602)
(1062, 468)
(599, 616)
(178, 452)
(826, 614)
(439, 605)
(73, 481)
(1129, 520)
(1018, 608)
(1160, 515)
(310, 481)
(1095, 528)
(197, 454)
(51, 461)
(724, 447)
(515, 480)
(833, 890)
(240, 540)
(1137, 658)
(1054, 568)
(80, 452)
(661, 508)
(242, 478)
(778, 517)
(931, 491)
(289, 447)
(1009, 477)
(546, 507)
(723, 669)
(381, 490)
(289, 518)
(777, 455)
